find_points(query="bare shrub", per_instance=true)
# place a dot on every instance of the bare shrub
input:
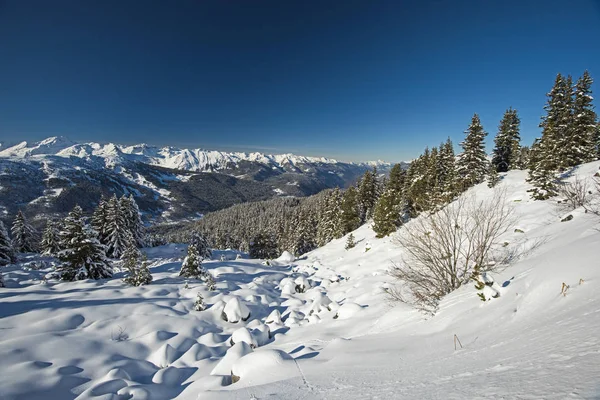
(575, 193)
(441, 250)
(120, 335)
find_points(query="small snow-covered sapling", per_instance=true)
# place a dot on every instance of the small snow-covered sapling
(199, 304)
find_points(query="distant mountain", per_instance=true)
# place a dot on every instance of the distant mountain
(51, 176)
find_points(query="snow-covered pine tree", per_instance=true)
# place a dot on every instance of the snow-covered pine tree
(330, 222)
(472, 165)
(116, 228)
(350, 242)
(1, 280)
(386, 217)
(349, 212)
(541, 171)
(192, 264)
(554, 144)
(201, 245)
(493, 177)
(263, 246)
(133, 219)
(99, 219)
(137, 274)
(584, 127)
(199, 303)
(23, 235)
(367, 195)
(7, 253)
(447, 172)
(81, 253)
(209, 281)
(507, 142)
(50, 239)
(304, 237)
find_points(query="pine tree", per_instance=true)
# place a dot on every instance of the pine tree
(350, 218)
(209, 281)
(199, 303)
(137, 274)
(304, 235)
(507, 142)
(201, 245)
(116, 228)
(541, 171)
(584, 123)
(133, 219)
(1, 280)
(7, 253)
(50, 239)
(367, 195)
(350, 242)
(23, 235)
(263, 246)
(493, 176)
(386, 217)
(472, 164)
(99, 220)
(447, 172)
(192, 264)
(81, 253)
(330, 222)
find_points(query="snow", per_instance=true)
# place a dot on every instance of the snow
(341, 338)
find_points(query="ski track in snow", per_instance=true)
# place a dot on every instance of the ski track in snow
(105, 340)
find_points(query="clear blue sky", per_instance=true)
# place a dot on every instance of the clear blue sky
(355, 80)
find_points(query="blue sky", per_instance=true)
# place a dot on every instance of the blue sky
(356, 80)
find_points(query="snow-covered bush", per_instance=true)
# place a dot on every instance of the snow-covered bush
(235, 311)
(199, 303)
(443, 249)
(243, 335)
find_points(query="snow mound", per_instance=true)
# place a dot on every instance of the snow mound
(347, 310)
(286, 258)
(235, 311)
(236, 352)
(264, 366)
(243, 335)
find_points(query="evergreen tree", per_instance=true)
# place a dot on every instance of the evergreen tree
(116, 228)
(137, 274)
(133, 219)
(263, 246)
(1, 280)
(584, 128)
(447, 172)
(507, 142)
(81, 253)
(23, 235)
(350, 242)
(209, 281)
(350, 218)
(304, 235)
(493, 176)
(367, 195)
(50, 239)
(99, 220)
(386, 217)
(199, 303)
(192, 264)
(7, 254)
(554, 144)
(201, 245)
(541, 171)
(330, 222)
(472, 164)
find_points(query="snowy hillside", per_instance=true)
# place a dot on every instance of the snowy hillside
(321, 327)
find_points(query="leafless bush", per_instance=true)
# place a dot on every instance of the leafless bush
(575, 193)
(120, 335)
(441, 250)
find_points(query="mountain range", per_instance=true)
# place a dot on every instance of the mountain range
(49, 177)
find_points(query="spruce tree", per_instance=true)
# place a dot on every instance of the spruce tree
(99, 219)
(133, 219)
(447, 172)
(192, 264)
(367, 195)
(81, 253)
(583, 146)
(23, 235)
(349, 211)
(493, 177)
(386, 217)
(507, 142)
(350, 242)
(330, 222)
(472, 165)
(263, 246)
(137, 274)
(50, 239)
(116, 228)
(7, 253)
(541, 171)
(201, 245)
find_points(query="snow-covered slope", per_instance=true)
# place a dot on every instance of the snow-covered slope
(340, 338)
(169, 157)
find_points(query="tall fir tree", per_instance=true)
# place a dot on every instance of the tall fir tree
(350, 218)
(447, 172)
(137, 274)
(116, 228)
(201, 244)
(330, 221)
(472, 165)
(82, 255)
(263, 246)
(584, 129)
(23, 235)
(7, 253)
(50, 239)
(507, 142)
(99, 219)
(133, 220)
(386, 217)
(541, 170)
(367, 195)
